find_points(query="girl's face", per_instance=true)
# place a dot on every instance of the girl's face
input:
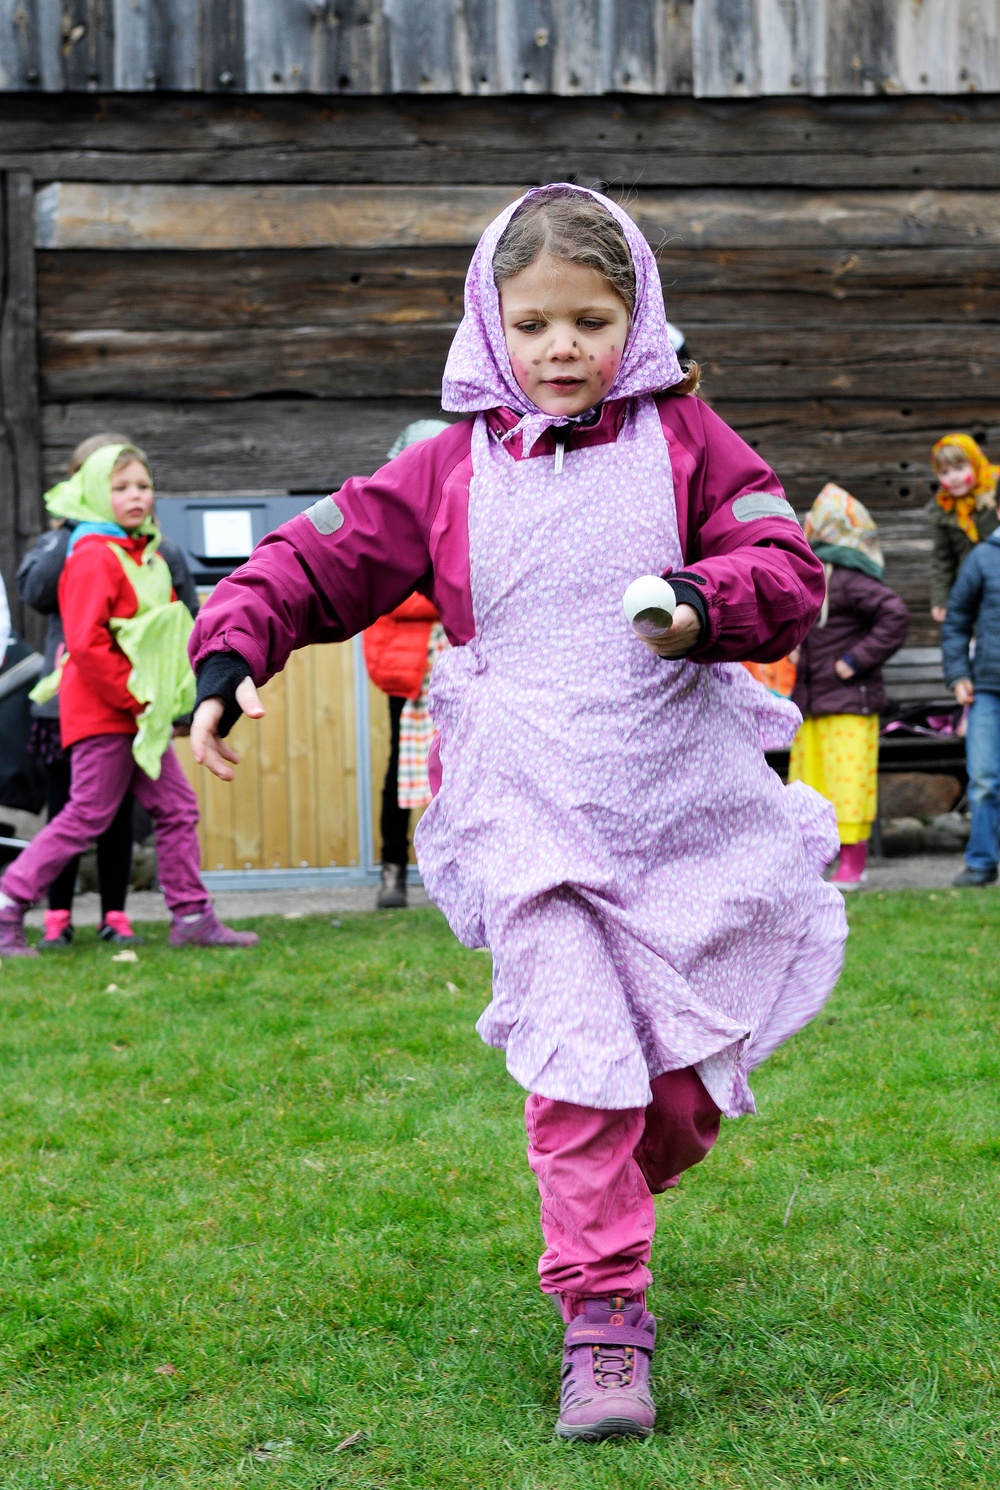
(131, 495)
(565, 330)
(957, 480)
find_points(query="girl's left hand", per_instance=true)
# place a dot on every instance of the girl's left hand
(681, 638)
(843, 669)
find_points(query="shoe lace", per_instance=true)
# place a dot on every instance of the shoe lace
(612, 1365)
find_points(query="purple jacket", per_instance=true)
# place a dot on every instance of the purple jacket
(866, 623)
(333, 570)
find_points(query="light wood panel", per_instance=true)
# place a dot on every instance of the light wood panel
(293, 802)
(74, 214)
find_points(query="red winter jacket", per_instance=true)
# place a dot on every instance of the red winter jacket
(396, 647)
(93, 694)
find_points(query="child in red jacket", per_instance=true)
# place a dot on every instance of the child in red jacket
(122, 682)
(400, 650)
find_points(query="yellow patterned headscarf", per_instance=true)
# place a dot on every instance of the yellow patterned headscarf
(840, 530)
(980, 495)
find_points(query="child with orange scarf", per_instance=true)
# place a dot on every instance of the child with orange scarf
(965, 512)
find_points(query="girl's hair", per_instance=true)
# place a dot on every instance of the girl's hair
(574, 227)
(949, 458)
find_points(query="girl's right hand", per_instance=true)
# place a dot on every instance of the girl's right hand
(965, 693)
(938, 613)
(207, 745)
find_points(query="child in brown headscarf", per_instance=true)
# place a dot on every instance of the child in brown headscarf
(965, 512)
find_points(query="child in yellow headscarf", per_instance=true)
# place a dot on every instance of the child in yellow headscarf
(965, 511)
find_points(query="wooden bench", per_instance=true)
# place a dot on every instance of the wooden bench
(913, 679)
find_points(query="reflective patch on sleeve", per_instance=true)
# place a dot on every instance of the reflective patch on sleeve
(762, 504)
(325, 516)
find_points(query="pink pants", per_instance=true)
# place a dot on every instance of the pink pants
(597, 1174)
(103, 771)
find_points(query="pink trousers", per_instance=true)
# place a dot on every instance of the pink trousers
(103, 771)
(597, 1174)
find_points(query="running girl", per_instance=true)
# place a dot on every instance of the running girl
(606, 822)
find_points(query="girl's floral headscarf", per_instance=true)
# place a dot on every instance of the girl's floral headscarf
(478, 374)
(981, 494)
(840, 530)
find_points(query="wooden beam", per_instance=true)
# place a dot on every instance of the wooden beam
(77, 215)
(20, 437)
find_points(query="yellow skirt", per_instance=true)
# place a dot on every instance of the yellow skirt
(838, 755)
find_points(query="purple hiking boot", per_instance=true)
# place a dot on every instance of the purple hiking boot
(12, 939)
(208, 931)
(605, 1375)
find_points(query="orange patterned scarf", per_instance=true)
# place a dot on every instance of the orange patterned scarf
(981, 495)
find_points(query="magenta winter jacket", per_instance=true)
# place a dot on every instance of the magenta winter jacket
(351, 558)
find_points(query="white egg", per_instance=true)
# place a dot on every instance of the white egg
(649, 604)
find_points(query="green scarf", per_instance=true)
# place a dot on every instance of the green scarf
(155, 639)
(86, 496)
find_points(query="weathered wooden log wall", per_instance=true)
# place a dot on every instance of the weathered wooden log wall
(263, 292)
(711, 48)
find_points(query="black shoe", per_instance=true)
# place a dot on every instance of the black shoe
(978, 877)
(392, 896)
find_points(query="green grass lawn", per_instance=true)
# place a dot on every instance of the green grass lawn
(255, 1205)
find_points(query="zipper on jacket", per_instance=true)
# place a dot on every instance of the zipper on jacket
(560, 433)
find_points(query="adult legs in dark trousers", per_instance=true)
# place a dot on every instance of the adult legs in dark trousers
(395, 822)
(114, 859)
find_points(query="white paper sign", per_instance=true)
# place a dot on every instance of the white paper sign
(228, 534)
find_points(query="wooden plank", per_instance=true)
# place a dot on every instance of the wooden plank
(476, 59)
(75, 215)
(379, 740)
(301, 127)
(358, 362)
(724, 48)
(861, 46)
(78, 215)
(78, 291)
(223, 46)
(335, 803)
(675, 59)
(800, 360)
(273, 747)
(300, 785)
(421, 46)
(978, 47)
(356, 52)
(248, 807)
(20, 468)
(887, 219)
(135, 291)
(87, 45)
(278, 42)
(631, 47)
(173, 50)
(619, 169)
(301, 446)
(787, 46)
(526, 31)
(578, 65)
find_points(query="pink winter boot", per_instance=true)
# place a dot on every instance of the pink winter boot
(851, 874)
(12, 939)
(207, 930)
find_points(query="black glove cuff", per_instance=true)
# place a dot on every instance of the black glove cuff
(219, 676)
(685, 593)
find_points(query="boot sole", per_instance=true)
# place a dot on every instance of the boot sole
(604, 1428)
